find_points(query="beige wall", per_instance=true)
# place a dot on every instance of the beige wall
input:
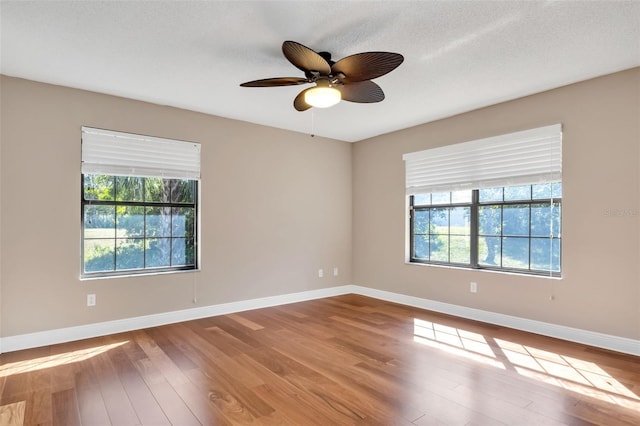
(600, 288)
(276, 206)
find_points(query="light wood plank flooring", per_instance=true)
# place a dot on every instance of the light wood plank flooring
(346, 360)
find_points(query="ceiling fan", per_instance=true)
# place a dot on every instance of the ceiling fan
(348, 79)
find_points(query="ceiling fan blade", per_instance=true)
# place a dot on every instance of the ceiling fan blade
(274, 82)
(363, 92)
(366, 66)
(299, 103)
(305, 59)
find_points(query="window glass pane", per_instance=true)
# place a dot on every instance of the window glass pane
(421, 221)
(515, 252)
(545, 254)
(182, 252)
(514, 193)
(461, 196)
(99, 222)
(178, 251)
(421, 246)
(155, 191)
(439, 220)
(182, 221)
(158, 252)
(555, 259)
(545, 220)
(421, 199)
(99, 255)
(183, 191)
(190, 251)
(98, 187)
(547, 190)
(489, 251)
(441, 198)
(460, 249)
(130, 221)
(515, 220)
(459, 218)
(439, 248)
(129, 253)
(158, 222)
(541, 191)
(128, 188)
(490, 220)
(490, 194)
(556, 214)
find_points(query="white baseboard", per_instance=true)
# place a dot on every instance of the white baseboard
(61, 335)
(50, 337)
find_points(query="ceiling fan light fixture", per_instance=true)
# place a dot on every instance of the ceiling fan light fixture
(349, 79)
(322, 96)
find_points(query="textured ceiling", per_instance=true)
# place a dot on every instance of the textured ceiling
(459, 55)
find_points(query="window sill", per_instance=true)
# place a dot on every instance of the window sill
(134, 275)
(462, 268)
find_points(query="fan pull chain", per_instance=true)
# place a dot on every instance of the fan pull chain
(195, 289)
(313, 123)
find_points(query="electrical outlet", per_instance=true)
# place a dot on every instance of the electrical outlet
(473, 287)
(335, 271)
(320, 273)
(91, 300)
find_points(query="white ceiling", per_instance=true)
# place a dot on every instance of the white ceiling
(459, 55)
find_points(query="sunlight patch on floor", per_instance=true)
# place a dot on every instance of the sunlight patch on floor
(42, 363)
(452, 340)
(12, 414)
(584, 377)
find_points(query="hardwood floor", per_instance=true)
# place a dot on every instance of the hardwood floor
(346, 360)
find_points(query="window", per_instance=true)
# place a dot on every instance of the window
(139, 204)
(491, 204)
(516, 228)
(138, 223)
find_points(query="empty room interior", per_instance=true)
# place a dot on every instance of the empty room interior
(189, 236)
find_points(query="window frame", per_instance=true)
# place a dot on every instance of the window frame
(474, 206)
(144, 204)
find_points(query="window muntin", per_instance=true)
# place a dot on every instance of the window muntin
(138, 224)
(517, 228)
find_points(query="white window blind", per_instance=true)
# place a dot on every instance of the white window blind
(526, 157)
(125, 154)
